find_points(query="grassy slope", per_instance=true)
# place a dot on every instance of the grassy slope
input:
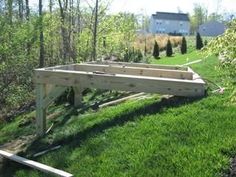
(153, 137)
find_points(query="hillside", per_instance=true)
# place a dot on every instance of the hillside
(150, 136)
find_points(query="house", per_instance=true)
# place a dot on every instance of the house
(170, 23)
(212, 28)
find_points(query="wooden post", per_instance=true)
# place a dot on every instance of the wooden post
(40, 109)
(78, 97)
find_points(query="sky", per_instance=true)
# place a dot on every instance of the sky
(148, 7)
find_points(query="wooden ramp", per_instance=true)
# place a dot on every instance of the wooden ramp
(35, 165)
(137, 77)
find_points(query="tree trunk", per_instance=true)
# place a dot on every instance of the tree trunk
(94, 53)
(41, 38)
(20, 8)
(27, 9)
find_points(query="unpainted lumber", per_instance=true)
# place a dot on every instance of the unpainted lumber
(35, 165)
(137, 71)
(120, 100)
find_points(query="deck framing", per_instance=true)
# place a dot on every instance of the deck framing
(163, 79)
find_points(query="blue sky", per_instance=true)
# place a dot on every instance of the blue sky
(151, 6)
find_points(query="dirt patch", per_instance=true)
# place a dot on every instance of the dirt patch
(15, 147)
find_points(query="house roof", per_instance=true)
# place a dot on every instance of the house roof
(171, 16)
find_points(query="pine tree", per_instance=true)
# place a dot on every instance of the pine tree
(183, 47)
(199, 43)
(156, 51)
(169, 50)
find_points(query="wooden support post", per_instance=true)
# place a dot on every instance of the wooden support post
(40, 109)
(78, 97)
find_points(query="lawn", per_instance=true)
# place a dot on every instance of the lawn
(153, 137)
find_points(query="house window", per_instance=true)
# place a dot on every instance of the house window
(181, 23)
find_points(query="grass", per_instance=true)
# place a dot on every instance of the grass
(153, 137)
(178, 59)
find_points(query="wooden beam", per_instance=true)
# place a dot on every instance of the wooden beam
(55, 92)
(143, 65)
(123, 82)
(120, 100)
(138, 71)
(40, 109)
(78, 97)
(35, 165)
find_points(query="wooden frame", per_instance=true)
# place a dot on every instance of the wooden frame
(163, 79)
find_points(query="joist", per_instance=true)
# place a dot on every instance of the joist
(143, 65)
(123, 82)
(138, 71)
(35, 165)
(136, 77)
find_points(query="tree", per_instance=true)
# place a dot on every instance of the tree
(199, 43)
(41, 38)
(183, 47)
(199, 17)
(94, 53)
(169, 50)
(156, 50)
(224, 47)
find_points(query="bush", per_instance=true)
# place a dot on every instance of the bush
(169, 50)
(224, 46)
(156, 51)
(199, 44)
(183, 47)
(133, 55)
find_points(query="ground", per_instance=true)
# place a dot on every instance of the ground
(152, 137)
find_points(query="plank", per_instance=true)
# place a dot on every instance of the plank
(143, 65)
(78, 97)
(35, 165)
(123, 82)
(120, 100)
(193, 62)
(139, 71)
(55, 92)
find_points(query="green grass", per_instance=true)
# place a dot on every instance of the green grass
(178, 59)
(153, 137)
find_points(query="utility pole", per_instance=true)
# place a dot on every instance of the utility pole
(94, 54)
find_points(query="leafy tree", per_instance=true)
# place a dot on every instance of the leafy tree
(199, 43)
(183, 47)
(224, 47)
(156, 51)
(199, 17)
(169, 50)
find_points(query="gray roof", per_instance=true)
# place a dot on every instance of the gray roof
(171, 16)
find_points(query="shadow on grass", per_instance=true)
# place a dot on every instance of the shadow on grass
(75, 140)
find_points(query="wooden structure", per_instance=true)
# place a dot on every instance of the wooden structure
(163, 79)
(35, 165)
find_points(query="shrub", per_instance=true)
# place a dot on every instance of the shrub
(156, 50)
(224, 46)
(199, 43)
(169, 50)
(183, 47)
(133, 55)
